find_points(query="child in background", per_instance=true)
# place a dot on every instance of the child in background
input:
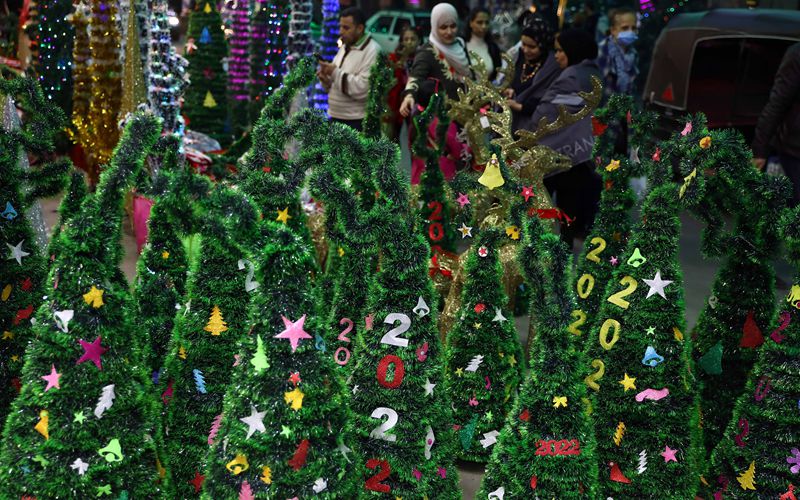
(618, 59)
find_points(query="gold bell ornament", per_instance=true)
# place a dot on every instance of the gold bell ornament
(492, 177)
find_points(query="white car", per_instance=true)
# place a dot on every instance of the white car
(386, 26)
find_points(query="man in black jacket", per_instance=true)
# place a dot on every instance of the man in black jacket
(779, 123)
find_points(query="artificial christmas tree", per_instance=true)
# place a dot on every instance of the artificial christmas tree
(644, 404)
(166, 70)
(206, 339)
(69, 207)
(24, 267)
(236, 14)
(402, 416)
(53, 61)
(728, 332)
(603, 249)
(381, 79)
(81, 78)
(547, 448)
(286, 417)
(206, 101)
(133, 78)
(82, 425)
(757, 456)
(163, 263)
(483, 356)
(268, 30)
(436, 209)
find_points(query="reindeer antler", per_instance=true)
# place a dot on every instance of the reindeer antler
(515, 149)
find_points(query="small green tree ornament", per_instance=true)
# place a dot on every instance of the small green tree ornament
(284, 430)
(483, 356)
(547, 447)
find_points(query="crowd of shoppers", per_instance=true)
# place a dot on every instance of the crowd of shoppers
(552, 65)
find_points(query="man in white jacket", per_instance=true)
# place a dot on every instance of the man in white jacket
(347, 78)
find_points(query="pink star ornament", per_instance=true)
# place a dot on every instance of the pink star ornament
(92, 352)
(52, 379)
(294, 331)
(668, 454)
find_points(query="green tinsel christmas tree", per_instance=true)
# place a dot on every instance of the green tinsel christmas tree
(284, 429)
(547, 447)
(483, 356)
(83, 425)
(24, 267)
(207, 338)
(645, 409)
(206, 99)
(402, 416)
(437, 208)
(758, 456)
(603, 249)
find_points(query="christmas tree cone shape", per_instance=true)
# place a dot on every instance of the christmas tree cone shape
(757, 456)
(205, 344)
(402, 415)
(603, 249)
(483, 357)
(68, 208)
(286, 415)
(547, 445)
(24, 267)
(645, 408)
(161, 286)
(83, 425)
(206, 97)
(729, 332)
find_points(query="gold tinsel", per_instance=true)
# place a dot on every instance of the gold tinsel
(82, 82)
(480, 93)
(98, 131)
(315, 220)
(133, 86)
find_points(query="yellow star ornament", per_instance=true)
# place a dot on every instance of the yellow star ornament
(94, 297)
(283, 215)
(294, 398)
(628, 382)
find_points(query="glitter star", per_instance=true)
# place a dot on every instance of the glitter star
(657, 285)
(668, 454)
(17, 253)
(283, 215)
(628, 382)
(255, 421)
(92, 351)
(465, 230)
(52, 379)
(429, 387)
(527, 192)
(462, 199)
(294, 331)
(651, 330)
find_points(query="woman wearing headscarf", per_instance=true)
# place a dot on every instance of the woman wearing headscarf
(577, 190)
(534, 71)
(441, 64)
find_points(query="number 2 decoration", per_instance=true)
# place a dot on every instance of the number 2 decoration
(435, 229)
(394, 338)
(344, 338)
(555, 447)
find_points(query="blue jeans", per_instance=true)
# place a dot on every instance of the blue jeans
(791, 166)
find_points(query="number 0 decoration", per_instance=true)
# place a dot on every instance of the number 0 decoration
(342, 354)
(401, 323)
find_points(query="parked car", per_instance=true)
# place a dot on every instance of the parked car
(386, 26)
(720, 62)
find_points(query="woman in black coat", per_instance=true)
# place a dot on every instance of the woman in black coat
(577, 190)
(534, 71)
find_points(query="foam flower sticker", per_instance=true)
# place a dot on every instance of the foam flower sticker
(614, 165)
(483, 251)
(512, 232)
(94, 297)
(705, 142)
